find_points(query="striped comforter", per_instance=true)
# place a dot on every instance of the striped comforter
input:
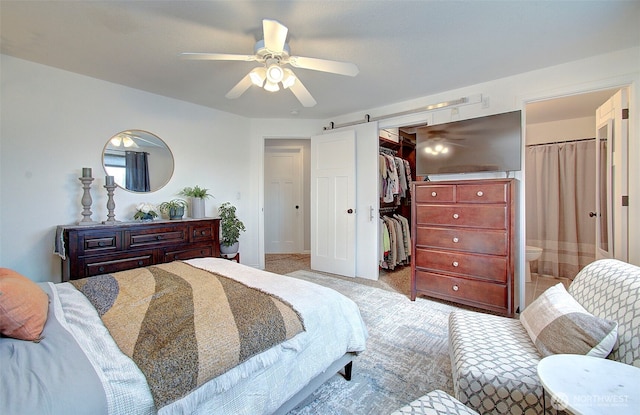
(183, 325)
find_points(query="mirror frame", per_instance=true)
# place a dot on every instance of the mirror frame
(154, 188)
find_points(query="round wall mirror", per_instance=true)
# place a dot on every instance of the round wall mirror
(138, 160)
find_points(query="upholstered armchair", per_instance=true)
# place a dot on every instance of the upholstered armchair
(494, 359)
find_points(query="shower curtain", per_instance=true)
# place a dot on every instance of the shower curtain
(560, 193)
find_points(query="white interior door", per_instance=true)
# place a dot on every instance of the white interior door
(283, 210)
(612, 178)
(333, 203)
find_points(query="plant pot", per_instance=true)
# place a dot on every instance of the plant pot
(176, 213)
(197, 207)
(229, 249)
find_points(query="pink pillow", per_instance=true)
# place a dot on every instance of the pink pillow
(23, 306)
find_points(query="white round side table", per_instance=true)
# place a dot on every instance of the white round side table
(588, 385)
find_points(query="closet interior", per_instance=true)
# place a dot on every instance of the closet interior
(397, 170)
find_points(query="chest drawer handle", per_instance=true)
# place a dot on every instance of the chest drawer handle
(203, 233)
(455, 287)
(101, 269)
(101, 243)
(480, 193)
(434, 194)
(158, 237)
(456, 216)
(140, 262)
(456, 240)
(455, 263)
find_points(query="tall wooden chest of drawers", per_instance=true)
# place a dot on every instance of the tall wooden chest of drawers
(463, 242)
(101, 249)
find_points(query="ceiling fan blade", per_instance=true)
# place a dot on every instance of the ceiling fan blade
(302, 94)
(324, 65)
(240, 87)
(275, 35)
(197, 56)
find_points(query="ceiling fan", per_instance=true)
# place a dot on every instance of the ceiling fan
(273, 54)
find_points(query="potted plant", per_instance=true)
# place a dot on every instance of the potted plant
(197, 195)
(145, 212)
(174, 208)
(230, 228)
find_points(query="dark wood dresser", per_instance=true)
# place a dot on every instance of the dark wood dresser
(101, 249)
(463, 242)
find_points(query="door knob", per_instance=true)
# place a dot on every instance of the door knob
(592, 214)
(350, 211)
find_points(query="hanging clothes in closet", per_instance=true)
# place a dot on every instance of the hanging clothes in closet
(394, 177)
(395, 241)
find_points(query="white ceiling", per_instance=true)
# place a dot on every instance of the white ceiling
(404, 49)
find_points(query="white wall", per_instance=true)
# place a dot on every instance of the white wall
(55, 122)
(562, 130)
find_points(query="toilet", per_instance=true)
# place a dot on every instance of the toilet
(532, 253)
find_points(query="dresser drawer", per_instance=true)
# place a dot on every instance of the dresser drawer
(491, 268)
(202, 233)
(187, 253)
(481, 242)
(434, 193)
(482, 193)
(477, 216)
(157, 236)
(113, 263)
(99, 242)
(469, 291)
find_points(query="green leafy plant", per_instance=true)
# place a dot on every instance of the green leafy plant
(230, 225)
(196, 191)
(172, 207)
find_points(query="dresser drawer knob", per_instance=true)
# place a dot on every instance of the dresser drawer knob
(203, 233)
(456, 240)
(455, 263)
(456, 216)
(158, 237)
(101, 269)
(480, 193)
(101, 243)
(141, 263)
(455, 287)
(434, 194)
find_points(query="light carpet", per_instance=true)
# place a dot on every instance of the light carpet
(407, 352)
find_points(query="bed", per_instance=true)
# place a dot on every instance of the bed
(77, 367)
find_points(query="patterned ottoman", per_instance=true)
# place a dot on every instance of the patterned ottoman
(435, 402)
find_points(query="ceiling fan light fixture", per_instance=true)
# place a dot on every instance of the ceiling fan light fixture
(128, 142)
(288, 79)
(258, 76)
(275, 73)
(271, 86)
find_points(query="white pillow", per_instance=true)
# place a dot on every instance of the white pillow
(557, 324)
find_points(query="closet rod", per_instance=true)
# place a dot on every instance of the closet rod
(387, 209)
(577, 140)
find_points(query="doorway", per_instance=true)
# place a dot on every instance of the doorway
(286, 184)
(560, 187)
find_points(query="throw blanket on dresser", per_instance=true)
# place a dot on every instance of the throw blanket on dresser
(183, 325)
